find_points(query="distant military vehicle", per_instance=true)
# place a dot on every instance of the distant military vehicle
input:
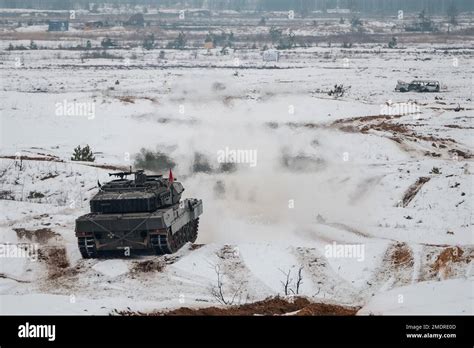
(59, 25)
(146, 213)
(418, 86)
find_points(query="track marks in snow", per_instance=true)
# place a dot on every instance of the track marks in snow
(364, 188)
(396, 268)
(239, 276)
(413, 190)
(327, 284)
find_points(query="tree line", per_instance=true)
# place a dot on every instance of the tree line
(304, 7)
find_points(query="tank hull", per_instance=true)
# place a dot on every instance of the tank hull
(162, 231)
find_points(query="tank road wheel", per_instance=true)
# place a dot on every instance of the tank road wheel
(165, 244)
(171, 243)
(193, 231)
(87, 247)
(156, 245)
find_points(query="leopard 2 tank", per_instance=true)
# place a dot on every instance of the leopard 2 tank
(143, 214)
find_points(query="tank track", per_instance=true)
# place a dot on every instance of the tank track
(87, 247)
(171, 243)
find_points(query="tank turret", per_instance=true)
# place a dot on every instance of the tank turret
(145, 193)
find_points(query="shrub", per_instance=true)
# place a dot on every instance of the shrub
(393, 43)
(35, 194)
(337, 91)
(85, 154)
(178, 43)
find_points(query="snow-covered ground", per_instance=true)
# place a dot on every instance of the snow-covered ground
(325, 177)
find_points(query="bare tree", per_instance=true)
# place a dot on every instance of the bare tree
(299, 280)
(218, 290)
(286, 283)
(288, 287)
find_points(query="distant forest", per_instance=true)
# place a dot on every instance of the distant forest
(299, 6)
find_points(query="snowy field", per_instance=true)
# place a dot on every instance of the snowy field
(358, 170)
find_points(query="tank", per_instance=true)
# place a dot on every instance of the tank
(145, 213)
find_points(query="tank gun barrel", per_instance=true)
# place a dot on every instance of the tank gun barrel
(121, 175)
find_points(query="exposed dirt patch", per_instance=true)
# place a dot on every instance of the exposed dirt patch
(42, 235)
(401, 133)
(147, 266)
(56, 260)
(308, 125)
(227, 252)
(400, 255)
(387, 127)
(127, 99)
(413, 190)
(269, 307)
(195, 246)
(381, 123)
(457, 126)
(446, 260)
(49, 176)
(363, 119)
(396, 269)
